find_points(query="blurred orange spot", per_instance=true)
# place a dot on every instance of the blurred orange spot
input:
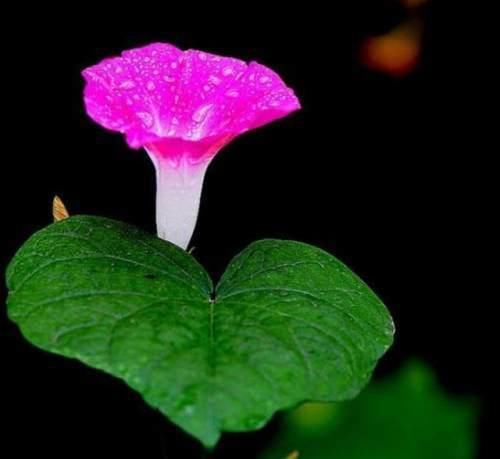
(414, 3)
(396, 53)
(294, 455)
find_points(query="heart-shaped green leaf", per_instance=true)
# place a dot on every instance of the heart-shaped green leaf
(287, 322)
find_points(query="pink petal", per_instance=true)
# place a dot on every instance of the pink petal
(158, 92)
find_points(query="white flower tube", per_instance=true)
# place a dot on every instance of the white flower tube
(178, 193)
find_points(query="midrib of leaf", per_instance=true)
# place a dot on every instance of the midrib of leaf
(212, 357)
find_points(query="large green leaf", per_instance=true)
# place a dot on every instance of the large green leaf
(407, 416)
(287, 323)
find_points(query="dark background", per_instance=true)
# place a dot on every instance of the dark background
(363, 171)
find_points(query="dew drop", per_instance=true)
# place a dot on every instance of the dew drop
(206, 88)
(146, 118)
(118, 69)
(201, 113)
(214, 80)
(202, 56)
(174, 65)
(264, 79)
(150, 86)
(227, 71)
(169, 79)
(232, 93)
(127, 84)
(252, 422)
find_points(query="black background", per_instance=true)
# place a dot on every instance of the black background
(363, 171)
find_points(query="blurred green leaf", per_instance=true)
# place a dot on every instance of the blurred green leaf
(407, 416)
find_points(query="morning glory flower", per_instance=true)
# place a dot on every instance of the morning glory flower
(182, 107)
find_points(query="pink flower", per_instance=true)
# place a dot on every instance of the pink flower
(182, 107)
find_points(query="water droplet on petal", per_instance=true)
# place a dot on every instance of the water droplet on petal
(202, 112)
(146, 118)
(174, 65)
(206, 88)
(214, 80)
(264, 79)
(127, 84)
(202, 56)
(150, 86)
(227, 71)
(118, 69)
